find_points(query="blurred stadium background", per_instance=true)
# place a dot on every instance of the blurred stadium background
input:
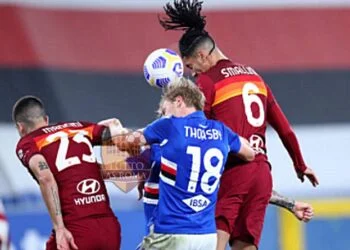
(84, 59)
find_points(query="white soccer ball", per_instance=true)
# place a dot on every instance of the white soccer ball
(162, 67)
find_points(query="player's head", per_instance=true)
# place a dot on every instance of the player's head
(197, 47)
(161, 109)
(28, 113)
(182, 98)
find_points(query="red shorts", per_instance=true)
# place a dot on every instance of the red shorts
(243, 196)
(92, 234)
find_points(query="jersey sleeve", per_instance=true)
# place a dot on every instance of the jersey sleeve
(234, 142)
(26, 149)
(276, 118)
(97, 131)
(157, 131)
(207, 87)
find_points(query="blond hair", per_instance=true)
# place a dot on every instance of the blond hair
(189, 91)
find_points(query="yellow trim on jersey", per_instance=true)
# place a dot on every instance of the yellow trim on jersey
(227, 89)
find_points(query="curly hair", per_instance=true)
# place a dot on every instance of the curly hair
(186, 15)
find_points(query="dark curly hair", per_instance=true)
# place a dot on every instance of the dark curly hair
(186, 15)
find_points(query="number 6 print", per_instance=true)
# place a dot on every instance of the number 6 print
(248, 99)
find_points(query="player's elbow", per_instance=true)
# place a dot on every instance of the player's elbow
(46, 179)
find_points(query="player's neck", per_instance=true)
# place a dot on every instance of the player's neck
(186, 111)
(217, 56)
(37, 126)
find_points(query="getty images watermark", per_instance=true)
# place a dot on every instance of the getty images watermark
(125, 169)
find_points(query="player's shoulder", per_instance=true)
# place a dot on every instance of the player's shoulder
(164, 119)
(220, 126)
(225, 68)
(67, 125)
(163, 122)
(72, 124)
(29, 139)
(26, 147)
(25, 141)
(215, 124)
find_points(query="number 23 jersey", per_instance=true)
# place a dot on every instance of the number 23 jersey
(67, 148)
(193, 153)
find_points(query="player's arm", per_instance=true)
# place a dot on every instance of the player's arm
(49, 191)
(130, 141)
(48, 188)
(302, 211)
(125, 140)
(113, 127)
(279, 122)
(245, 152)
(239, 146)
(155, 132)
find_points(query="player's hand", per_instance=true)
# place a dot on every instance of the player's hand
(303, 211)
(140, 188)
(114, 125)
(110, 121)
(309, 173)
(64, 239)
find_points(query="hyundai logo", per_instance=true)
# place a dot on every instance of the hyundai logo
(88, 186)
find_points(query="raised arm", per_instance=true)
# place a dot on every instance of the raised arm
(279, 122)
(49, 191)
(113, 128)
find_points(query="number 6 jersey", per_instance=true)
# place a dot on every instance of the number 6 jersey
(193, 153)
(67, 148)
(237, 96)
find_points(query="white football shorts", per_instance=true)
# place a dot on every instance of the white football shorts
(156, 241)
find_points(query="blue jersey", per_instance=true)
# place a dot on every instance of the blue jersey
(151, 194)
(193, 153)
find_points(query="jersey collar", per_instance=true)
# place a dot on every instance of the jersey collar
(197, 114)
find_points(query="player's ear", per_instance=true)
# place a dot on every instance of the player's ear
(200, 55)
(46, 118)
(21, 129)
(178, 101)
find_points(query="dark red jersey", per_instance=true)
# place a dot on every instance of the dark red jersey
(239, 97)
(67, 148)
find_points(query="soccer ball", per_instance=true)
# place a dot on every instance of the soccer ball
(162, 67)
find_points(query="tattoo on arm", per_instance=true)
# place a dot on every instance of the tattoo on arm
(56, 200)
(281, 201)
(106, 135)
(43, 165)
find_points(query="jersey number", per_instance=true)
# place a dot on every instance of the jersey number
(249, 92)
(62, 162)
(211, 171)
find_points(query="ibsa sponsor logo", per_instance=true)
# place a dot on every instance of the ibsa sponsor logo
(89, 187)
(197, 203)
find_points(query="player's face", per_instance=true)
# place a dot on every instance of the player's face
(198, 63)
(174, 108)
(164, 111)
(168, 108)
